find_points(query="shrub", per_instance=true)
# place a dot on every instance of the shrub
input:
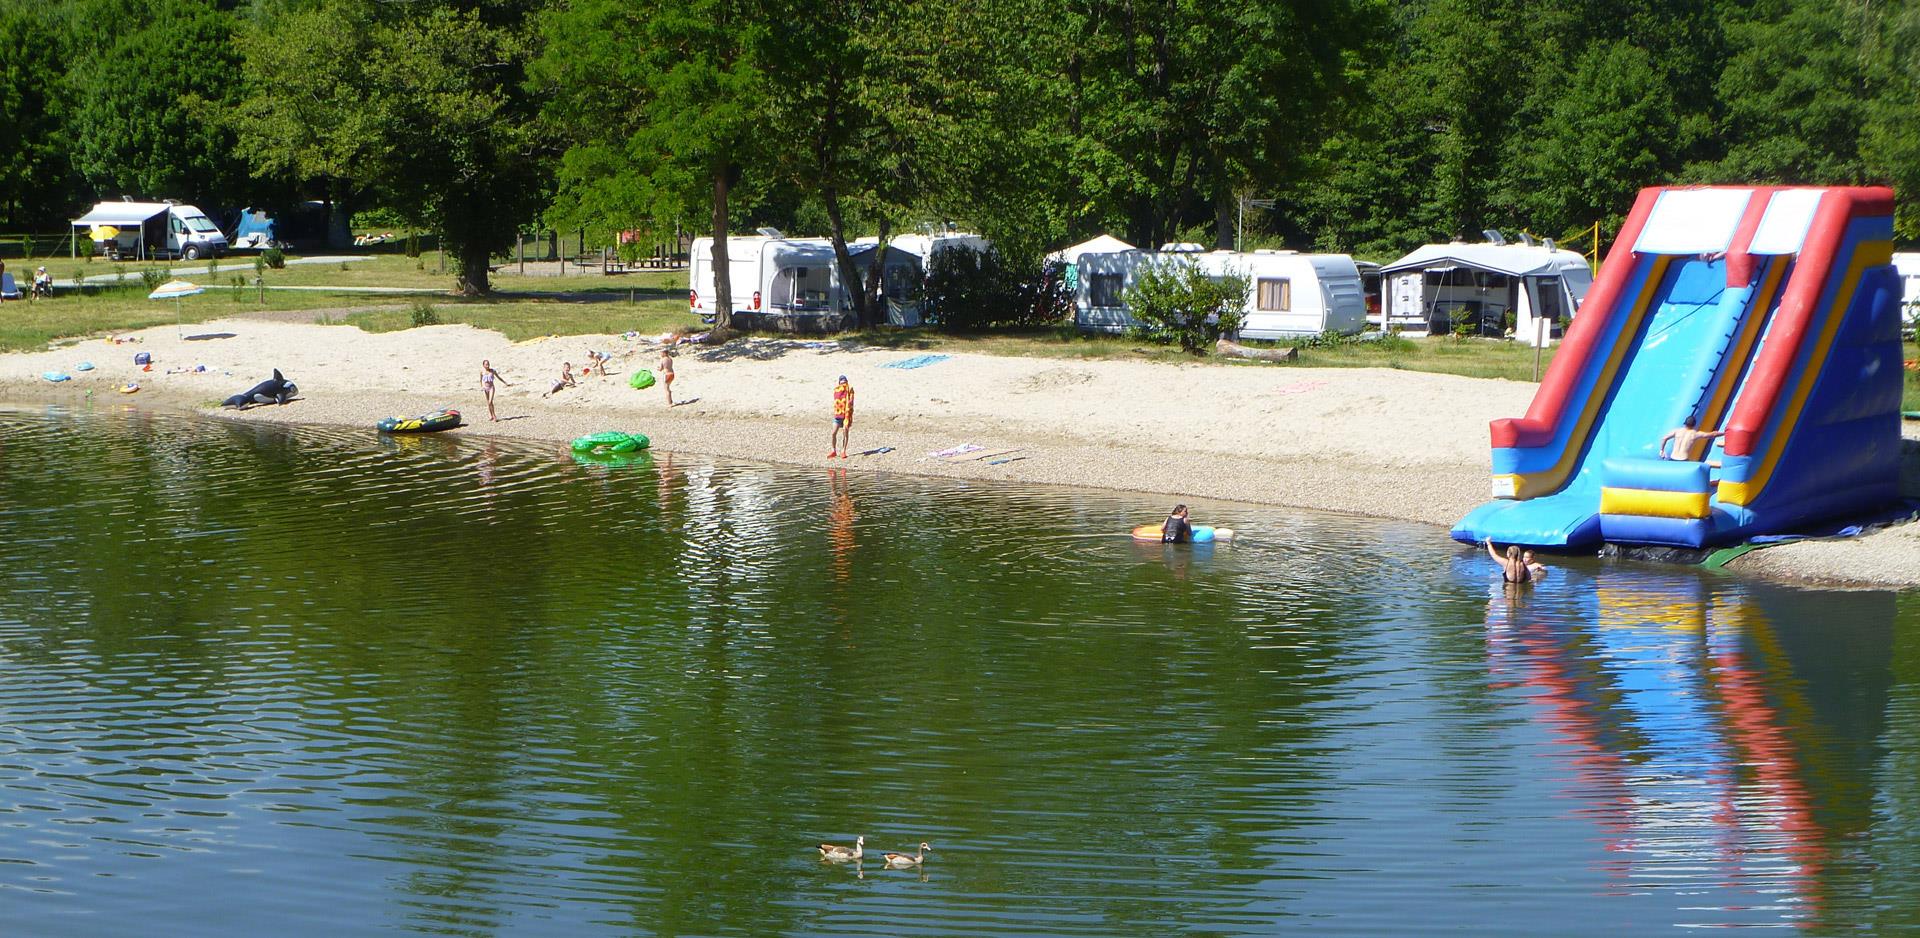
(423, 314)
(274, 258)
(967, 291)
(80, 280)
(213, 268)
(1176, 301)
(152, 277)
(239, 284)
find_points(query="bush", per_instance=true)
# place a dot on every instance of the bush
(423, 314)
(213, 268)
(1176, 301)
(274, 258)
(152, 277)
(968, 291)
(239, 284)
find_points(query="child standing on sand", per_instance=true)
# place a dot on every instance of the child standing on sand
(666, 372)
(487, 377)
(842, 421)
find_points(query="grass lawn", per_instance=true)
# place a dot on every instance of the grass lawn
(392, 270)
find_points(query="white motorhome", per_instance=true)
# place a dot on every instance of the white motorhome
(1288, 294)
(790, 282)
(150, 230)
(1908, 266)
(1440, 287)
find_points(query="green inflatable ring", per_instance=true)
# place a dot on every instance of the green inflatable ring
(612, 441)
(641, 380)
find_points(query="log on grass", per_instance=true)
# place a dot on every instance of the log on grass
(1233, 349)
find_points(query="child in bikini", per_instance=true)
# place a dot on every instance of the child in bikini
(566, 379)
(487, 377)
(666, 373)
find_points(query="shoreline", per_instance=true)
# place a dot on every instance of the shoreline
(1384, 443)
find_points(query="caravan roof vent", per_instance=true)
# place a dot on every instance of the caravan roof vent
(1182, 247)
(769, 232)
(1549, 244)
(1526, 239)
(1494, 236)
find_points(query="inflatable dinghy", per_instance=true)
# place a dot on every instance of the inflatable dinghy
(425, 423)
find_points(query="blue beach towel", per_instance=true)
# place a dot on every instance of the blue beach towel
(917, 361)
(56, 376)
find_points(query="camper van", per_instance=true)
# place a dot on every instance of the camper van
(1288, 294)
(151, 230)
(780, 280)
(1443, 287)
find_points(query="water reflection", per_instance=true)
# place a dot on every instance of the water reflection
(1694, 721)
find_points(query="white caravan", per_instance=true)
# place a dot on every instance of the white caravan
(785, 280)
(1441, 287)
(1288, 294)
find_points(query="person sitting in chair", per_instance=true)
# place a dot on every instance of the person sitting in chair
(42, 282)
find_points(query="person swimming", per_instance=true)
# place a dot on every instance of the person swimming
(1176, 530)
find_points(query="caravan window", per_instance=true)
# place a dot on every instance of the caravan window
(1103, 290)
(201, 223)
(1276, 295)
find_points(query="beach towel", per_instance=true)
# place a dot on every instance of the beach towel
(957, 450)
(917, 361)
(56, 376)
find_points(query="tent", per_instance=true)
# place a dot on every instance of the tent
(1104, 244)
(1440, 286)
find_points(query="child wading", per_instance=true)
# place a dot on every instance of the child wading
(666, 373)
(487, 377)
(842, 421)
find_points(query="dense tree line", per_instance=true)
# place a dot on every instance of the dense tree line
(1371, 125)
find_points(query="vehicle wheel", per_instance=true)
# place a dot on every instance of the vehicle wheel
(191, 252)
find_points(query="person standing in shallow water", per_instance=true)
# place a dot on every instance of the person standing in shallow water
(840, 442)
(666, 373)
(1513, 569)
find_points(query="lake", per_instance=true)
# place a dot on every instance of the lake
(259, 680)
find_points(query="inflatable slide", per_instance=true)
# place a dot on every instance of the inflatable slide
(1768, 315)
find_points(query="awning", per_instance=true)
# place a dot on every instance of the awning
(121, 214)
(1514, 260)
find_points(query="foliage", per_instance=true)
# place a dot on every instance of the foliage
(152, 277)
(423, 314)
(272, 257)
(1177, 301)
(140, 125)
(34, 149)
(968, 291)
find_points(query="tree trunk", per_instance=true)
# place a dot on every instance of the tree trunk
(1223, 227)
(876, 269)
(850, 282)
(472, 279)
(722, 267)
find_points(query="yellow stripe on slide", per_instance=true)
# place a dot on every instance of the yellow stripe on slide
(1648, 503)
(1548, 481)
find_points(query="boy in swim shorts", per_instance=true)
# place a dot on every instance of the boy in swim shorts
(842, 420)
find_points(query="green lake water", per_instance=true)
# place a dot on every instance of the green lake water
(271, 681)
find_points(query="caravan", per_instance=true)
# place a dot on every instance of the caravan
(150, 230)
(904, 271)
(784, 282)
(1907, 265)
(1442, 287)
(1288, 294)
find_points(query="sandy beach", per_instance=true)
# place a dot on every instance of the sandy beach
(1378, 442)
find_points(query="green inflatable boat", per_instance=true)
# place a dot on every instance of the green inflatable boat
(611, 442)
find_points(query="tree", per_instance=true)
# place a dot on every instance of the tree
(463, 151)
(662, 104)
(141, 126)
(1795, 98)
(35, 174)
(309, 111)
(1177, 301)
(1611, 129)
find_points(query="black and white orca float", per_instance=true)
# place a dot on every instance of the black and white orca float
(274, 390)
